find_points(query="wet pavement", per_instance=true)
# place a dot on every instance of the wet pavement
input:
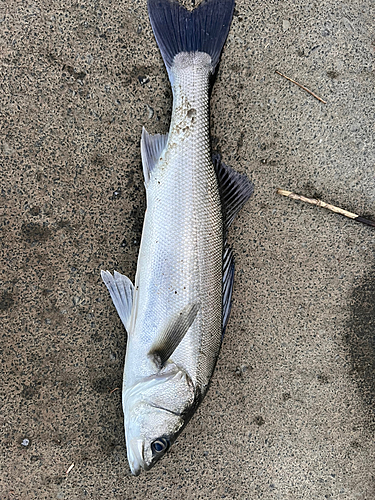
(290, 412)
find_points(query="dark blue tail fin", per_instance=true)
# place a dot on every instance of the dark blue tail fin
(177, 29)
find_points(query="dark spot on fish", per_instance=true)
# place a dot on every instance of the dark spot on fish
(333, 74)
(175, 291)
(34, 232)
(355, 444)
(191, 113)
(6, 301)
(259, 420)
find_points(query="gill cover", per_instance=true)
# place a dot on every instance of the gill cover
(156, 410)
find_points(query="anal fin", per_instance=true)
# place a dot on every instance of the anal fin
(228, 277)
(121, 290)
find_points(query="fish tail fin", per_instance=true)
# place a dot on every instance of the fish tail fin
(203, 29)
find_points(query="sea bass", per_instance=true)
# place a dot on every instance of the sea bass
(177, 311)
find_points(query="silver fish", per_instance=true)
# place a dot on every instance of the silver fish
(176, 312)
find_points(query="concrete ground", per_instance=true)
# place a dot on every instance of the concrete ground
(290, 412)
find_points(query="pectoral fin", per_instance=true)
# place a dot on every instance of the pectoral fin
(121, 289)
(173, 334)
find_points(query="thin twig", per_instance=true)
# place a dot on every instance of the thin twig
(320, 203)
(113, 390)
(302, 87)
(69, 468)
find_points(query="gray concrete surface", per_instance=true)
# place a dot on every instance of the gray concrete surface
(290, 413)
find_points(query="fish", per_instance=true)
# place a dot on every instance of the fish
(176, 312)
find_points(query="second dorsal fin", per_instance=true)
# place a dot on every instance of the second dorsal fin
(235, 189)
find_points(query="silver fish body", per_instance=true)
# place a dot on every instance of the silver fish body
(180, 259)
(176, 311)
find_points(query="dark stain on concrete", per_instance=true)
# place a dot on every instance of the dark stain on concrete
(6, 301)
(323, 379)
(35, 233)
(77, 75)
(332, 74)
(30, 391)
(107, 383)
(259, 420)
(361, 338)
(137, 73)
(34, 211)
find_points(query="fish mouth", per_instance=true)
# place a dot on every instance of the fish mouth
(135, 452)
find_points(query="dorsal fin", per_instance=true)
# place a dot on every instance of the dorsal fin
(235, 189)
(152, 147)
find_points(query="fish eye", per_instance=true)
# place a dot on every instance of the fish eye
(159, 445)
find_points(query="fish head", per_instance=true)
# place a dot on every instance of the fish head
(156, 410)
